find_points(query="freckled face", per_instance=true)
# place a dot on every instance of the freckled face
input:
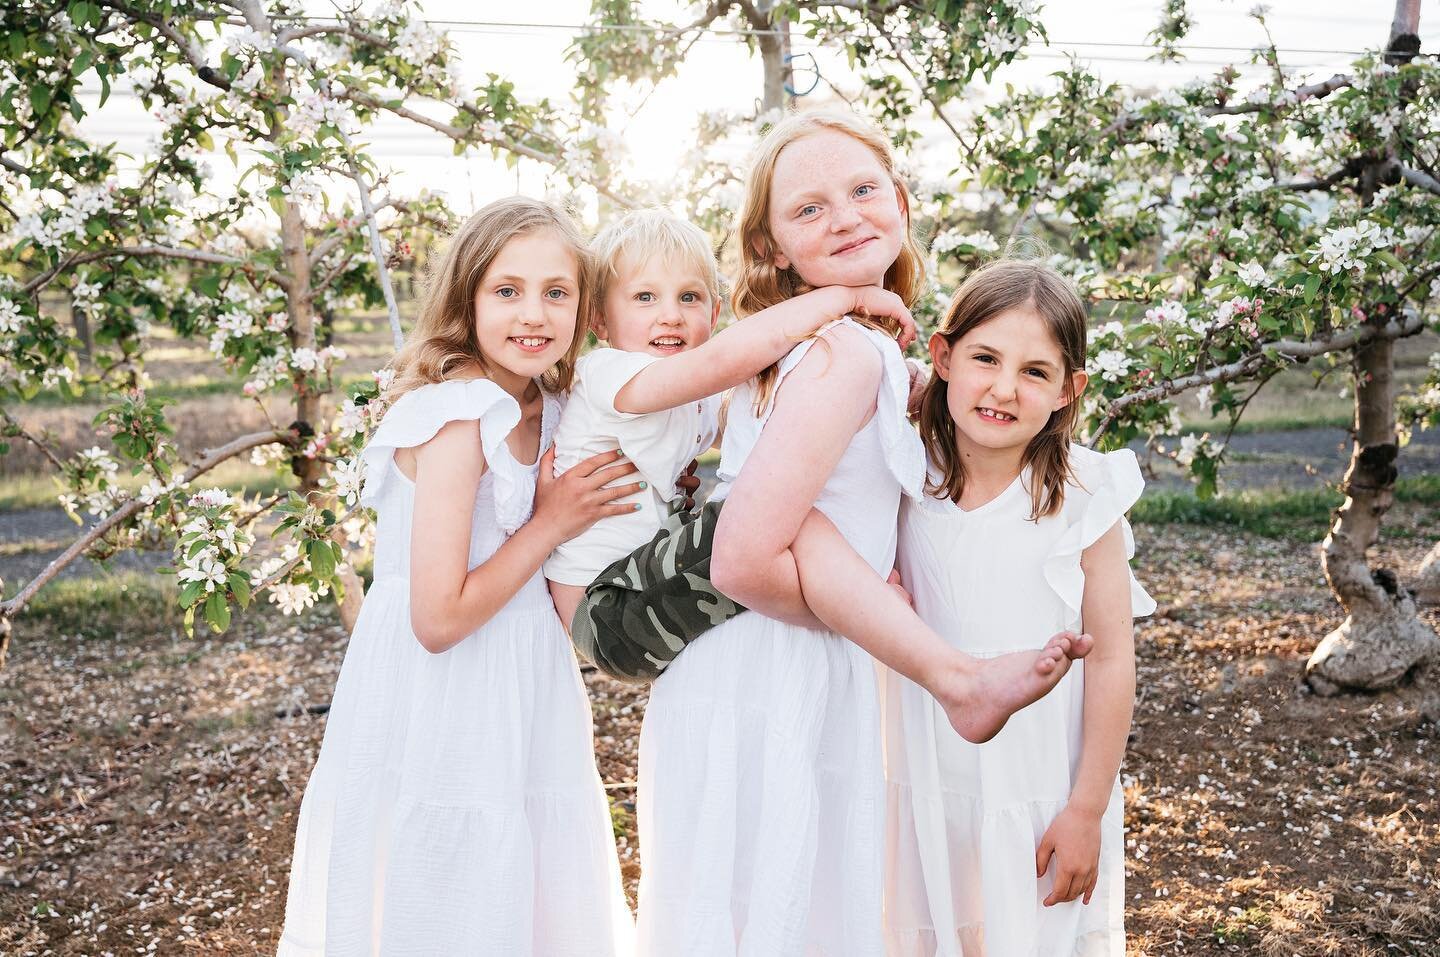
(1003, 378)
(835, 215)
(526, 306)
(657, 306)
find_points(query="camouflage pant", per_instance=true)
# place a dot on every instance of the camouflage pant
(643, 610)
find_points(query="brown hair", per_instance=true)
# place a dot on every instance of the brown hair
(762, 285)
(994, 288)
(444, 335)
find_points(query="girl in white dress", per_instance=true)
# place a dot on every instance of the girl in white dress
(455, 807)
(1014, 848)
(761, 800)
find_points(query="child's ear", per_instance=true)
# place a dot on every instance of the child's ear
(940, 356)
(1078, 381)
(762, 250)
(715, 315)
(597, 326)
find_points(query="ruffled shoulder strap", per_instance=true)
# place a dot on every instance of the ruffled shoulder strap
(904, 452)
(1104, 487)
(420, 414)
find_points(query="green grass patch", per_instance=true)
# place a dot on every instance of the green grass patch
(1291, 516)
(1253, 425)
(194, 388)
(100, 606)
(235, 477)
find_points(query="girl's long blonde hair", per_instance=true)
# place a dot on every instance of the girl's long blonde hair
(992, 289)
(761, 284)
(444, 339)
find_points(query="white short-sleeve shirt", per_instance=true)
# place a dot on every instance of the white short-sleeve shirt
(661, 444)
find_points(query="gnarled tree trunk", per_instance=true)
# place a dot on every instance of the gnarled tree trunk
(1427, 581)
(1381, 640)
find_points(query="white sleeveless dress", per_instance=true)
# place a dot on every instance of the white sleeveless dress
(761, 797)
(964, 820)
(455, 807)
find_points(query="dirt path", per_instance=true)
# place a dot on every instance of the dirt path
(149, 783)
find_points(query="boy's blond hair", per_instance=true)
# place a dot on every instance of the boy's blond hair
(644, 234)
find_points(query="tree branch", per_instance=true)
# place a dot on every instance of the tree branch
(171, 252)
(465, 136)
(1313, 91)
(34, 440)
(212, 458)
(1418, 178)
(192, 54)
(1290, 349)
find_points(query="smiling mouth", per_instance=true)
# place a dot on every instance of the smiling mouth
(532, 343)
(857, 244)
(995, 415)
(668, 343)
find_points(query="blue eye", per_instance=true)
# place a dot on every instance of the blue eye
(644, 297)
(507, 292)
(689, 297)
(864, 190)
(809, 210)
(557, 294)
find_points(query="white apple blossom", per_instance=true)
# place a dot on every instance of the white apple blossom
(1253, 274)
(1110, 364)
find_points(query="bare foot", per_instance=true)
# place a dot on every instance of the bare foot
(982, 694)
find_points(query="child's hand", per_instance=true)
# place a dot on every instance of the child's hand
(568, 504)
(894, 582)
(689, 483)
(1073, 840)
(876, 303)
(919, 379)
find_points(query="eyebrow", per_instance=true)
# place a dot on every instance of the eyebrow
(1033, 362)
(545, 281)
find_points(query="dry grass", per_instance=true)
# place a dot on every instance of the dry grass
(148, 790)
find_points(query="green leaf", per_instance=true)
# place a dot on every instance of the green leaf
(217, 611)
(82, 63)
(40, 98)
(1312, 286)
(190, 593)
(240, 588)
(322, 559)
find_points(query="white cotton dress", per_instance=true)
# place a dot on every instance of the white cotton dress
(455, 807)
(761, 802)
(964, 820)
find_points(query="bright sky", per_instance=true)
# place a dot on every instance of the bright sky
(1316, 35)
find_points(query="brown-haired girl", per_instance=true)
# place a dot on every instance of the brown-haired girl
(761, 801)
(1014, 846)
(455, 807)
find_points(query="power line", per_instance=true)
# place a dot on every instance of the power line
(497, 27)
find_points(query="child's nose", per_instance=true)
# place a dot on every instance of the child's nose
(845, 217)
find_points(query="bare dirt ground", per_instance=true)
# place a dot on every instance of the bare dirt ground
(148, 787)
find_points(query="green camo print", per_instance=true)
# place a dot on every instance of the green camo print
(643, 610)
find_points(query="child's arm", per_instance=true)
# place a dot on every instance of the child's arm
(1074, 836)
(744, 348)
(448, 600)
(817, 410)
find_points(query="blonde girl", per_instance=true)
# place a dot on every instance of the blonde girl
(455, 807)
(761, 799)
(1014, 847)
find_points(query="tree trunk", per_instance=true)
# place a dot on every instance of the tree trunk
(1381, 640)
(773, 49)
(300, 307)
(1427, 581)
